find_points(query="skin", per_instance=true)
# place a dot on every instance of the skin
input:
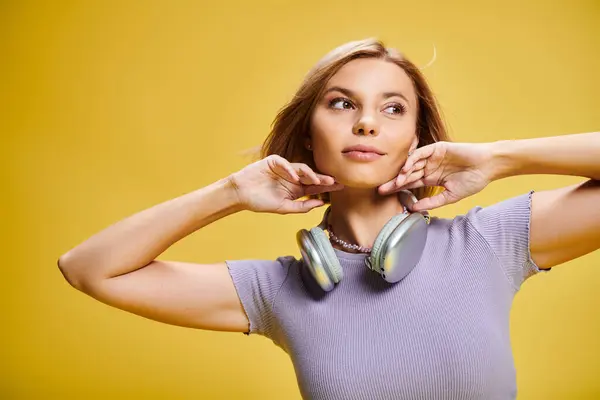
(364, 116)
(119, 265)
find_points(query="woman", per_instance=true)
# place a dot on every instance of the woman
(362, 128)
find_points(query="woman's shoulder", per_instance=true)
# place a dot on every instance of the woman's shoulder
(276, 264)
(502, 226)
(518, 206)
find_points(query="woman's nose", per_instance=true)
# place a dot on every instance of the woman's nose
(366, 126)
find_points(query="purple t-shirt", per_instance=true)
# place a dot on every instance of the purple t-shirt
(440, 333)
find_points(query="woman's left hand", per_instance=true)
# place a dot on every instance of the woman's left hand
(462, 169)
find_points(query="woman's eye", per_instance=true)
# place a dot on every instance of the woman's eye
(396, 109)
(344, 104)
(340, 104)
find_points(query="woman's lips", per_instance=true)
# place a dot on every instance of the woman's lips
(362, 155)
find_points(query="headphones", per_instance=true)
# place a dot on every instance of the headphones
(396, 251)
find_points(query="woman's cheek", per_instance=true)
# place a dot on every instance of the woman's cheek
(323, 162)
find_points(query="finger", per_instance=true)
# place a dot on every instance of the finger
(429, 203)
(400, 183)
(287, 174)
(403, 176)
(283, 168)
(414, 176)
(419, 154)
(311, 174)
(300, 206)
(325, 179)
(306, 171)
(410, 176)
(317, 189)
(419, 165)
(305, 179)
(387, 187)
(391, 186)
(414, 185)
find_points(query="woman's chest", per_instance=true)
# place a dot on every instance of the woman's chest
(401, 341)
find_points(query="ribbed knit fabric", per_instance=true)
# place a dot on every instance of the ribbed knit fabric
(441, 333)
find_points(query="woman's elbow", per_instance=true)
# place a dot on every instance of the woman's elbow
(69, 271)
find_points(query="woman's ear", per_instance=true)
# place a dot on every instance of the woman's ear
(308, 144)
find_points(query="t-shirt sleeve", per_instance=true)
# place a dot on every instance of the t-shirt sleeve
(505, 226)
(257, 283)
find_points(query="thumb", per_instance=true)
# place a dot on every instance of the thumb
(429, 203)
(318, 189)
(300, 206)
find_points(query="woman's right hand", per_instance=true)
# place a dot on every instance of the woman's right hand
(274, 185)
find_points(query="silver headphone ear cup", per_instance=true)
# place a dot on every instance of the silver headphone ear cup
(332, 264)
(382, 237)
(403, 248)
(314, 260)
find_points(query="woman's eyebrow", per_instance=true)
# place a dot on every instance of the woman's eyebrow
(350, 93)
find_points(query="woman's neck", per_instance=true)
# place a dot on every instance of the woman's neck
(358, 215)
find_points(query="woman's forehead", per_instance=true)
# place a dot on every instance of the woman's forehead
(370, 76)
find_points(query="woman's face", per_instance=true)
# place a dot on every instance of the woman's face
(368, 102)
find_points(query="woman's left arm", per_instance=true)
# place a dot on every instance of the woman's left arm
(565, 222)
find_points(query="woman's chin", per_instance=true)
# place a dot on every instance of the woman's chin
(360, 177)
(355, 183)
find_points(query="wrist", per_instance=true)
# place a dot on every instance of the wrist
(502, 160)
(215, 201)
(231, 193)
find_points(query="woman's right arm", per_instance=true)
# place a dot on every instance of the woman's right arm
(118, 265)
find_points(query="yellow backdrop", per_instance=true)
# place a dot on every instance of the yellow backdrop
(109, 107)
